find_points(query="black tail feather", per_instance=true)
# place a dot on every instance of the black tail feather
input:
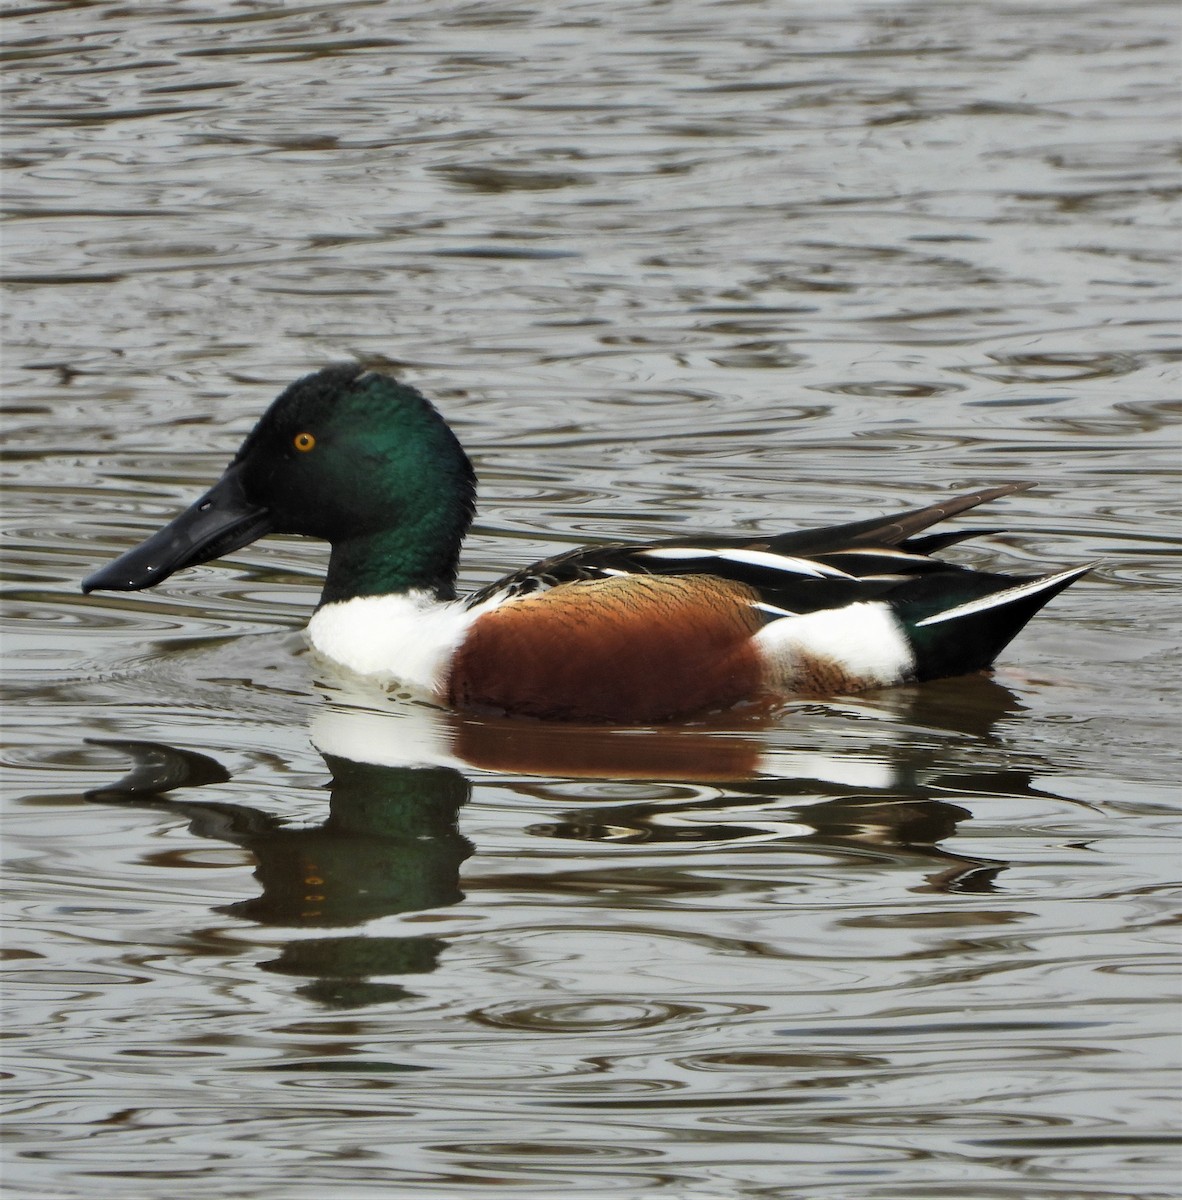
(891, 530)
(968, 636)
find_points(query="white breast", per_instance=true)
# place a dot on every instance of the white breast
(409, 637)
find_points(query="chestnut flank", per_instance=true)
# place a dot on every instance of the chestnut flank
(630, 649)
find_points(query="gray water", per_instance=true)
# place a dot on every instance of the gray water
(665, 267)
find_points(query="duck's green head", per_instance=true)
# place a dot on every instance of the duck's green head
(347, 455)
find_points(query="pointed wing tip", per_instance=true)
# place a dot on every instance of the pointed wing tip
(994, 493)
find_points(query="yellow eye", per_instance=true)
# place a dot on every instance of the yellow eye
(303, 442)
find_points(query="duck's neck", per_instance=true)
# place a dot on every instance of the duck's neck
(390, 562)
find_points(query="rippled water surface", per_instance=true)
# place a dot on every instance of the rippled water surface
(666, 266)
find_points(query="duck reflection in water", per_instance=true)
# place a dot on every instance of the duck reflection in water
(390, 843)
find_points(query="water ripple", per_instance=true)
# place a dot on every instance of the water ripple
(664, 271)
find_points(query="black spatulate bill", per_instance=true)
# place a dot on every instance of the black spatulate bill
(223, 520)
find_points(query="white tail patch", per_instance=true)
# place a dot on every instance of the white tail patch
(836, 650)
(1000, 599)
(750, 558)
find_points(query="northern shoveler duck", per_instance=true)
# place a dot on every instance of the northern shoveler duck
(622, 633)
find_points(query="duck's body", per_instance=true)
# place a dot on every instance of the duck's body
(622, 633)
